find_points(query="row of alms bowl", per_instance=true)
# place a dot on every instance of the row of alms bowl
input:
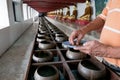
(90, 69)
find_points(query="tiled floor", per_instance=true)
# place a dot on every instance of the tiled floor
(14, 62)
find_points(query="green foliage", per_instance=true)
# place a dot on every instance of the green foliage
(99, 5)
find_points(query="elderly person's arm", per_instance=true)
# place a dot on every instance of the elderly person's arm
(96, 48)
(79, 34)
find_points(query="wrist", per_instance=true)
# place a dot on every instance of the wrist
(108, 52)
(84, 30)
(112, 52)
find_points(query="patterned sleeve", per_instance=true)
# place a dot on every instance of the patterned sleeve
(105, 11)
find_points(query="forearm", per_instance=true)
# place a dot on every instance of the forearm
(93, 25)
(113, 52)
(106, 51)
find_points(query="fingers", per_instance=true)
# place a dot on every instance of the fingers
(76, 35)
(86, 43)
(72, 37)
(92, 48)
(79, 39)
(85, 49)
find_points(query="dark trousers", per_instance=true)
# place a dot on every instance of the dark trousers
(112, 67)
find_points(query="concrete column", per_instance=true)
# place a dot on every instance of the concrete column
(10, 12)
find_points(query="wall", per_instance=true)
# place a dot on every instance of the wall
(11, 29)
(11, 33)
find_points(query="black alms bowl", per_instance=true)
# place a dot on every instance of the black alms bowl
(46, 72)
(92, 69)
(46, 44)
(42, 56)
(75, 54)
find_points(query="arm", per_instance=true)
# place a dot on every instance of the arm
(96, 48)
(113, 52)
(95, 24)
(79, 34)
(99, 21)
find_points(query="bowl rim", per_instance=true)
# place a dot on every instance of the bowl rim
(95, 62)
(86, 73)
(39, 76)
(38, 59)
(48, 45)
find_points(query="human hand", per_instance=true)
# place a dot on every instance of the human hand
(94, 48)
(78, 35)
